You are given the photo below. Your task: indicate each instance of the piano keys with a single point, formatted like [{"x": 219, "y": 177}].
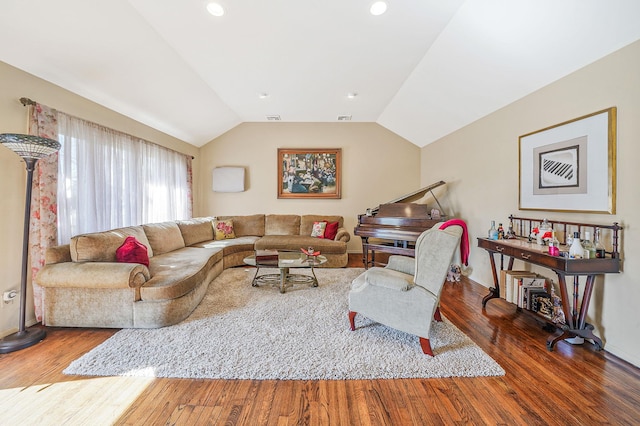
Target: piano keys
[
  {"x": 395, "y": 226},
  {"x": 559, "y": 169}
]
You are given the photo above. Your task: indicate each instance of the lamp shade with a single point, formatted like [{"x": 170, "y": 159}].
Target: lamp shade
[{"x": 29, "y": 146}]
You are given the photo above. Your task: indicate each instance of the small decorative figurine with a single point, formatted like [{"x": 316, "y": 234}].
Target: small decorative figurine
[{"x": 454, "y": 273}]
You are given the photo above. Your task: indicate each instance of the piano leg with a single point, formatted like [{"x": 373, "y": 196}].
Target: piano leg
[{"x": 365, "y": 252}]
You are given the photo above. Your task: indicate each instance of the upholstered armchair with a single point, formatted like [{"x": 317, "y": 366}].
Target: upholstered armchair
[{"x": 405, "y": 293}]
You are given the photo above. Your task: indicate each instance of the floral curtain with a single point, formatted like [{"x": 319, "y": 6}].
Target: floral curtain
[{"x": 43, "y": 121}]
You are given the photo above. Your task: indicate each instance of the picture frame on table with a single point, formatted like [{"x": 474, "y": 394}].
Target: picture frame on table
[
  {"x": 570, "y": 166},
  {"x": 309, "y": 173}
]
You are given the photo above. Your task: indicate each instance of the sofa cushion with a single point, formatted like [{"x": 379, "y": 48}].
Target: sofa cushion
[
  {"x": 176, "y": 273},
  {"x": 231, "y": 245},
  {"x": 296, "y": 242},
  {"x": 196, "y": 230},
  {"x": 163, "y": 237},
  {"x": 247, "y": 225},
  {"x": 388, "y": 278},
  {"x": 307, "y": 221},
  {"x": 283, "y": 224},
  {"x": 132, "y": 251},
  {"x": 223, "y": 229},
  {"x": 102, "y": 246}
]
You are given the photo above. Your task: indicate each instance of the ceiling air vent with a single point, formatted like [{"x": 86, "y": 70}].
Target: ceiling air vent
[
  {"x": 344, "y": 118},
  {"x": 274, "y": 117}
]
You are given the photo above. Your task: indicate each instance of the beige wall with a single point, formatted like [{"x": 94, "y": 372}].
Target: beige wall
[
  {"x": 482, "y": 169},
  {"x": 377, "y": 166},
  {"x": 15, "y": 84}
]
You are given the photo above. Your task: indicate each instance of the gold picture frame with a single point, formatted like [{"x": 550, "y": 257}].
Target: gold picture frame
[
  {"x": 309, "y": 173},
  {"x": 571, "y": 166}
]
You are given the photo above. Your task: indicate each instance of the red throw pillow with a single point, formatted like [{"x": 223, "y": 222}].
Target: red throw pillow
[
  {"x": 331, "y": 230},
  {"x": 132, "y": 251}
]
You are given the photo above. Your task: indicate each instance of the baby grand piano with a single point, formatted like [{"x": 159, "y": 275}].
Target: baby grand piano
[{"x": 395, "y": 226}]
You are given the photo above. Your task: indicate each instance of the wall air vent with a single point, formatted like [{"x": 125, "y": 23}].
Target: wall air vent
[
  {"x": 344, "y": 118},
  {"x": 274, "y": 117}
]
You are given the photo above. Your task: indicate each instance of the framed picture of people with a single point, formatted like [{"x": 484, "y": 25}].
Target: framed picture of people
[{"x": 309, "y": 173}]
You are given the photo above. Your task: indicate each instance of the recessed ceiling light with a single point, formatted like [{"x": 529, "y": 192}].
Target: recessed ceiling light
[
  {"x": 215, "y": 9},
  {"x": 263, "y": 95},
  {"x": 378, "y": 8},
  {"x": 352, "y": 95}
]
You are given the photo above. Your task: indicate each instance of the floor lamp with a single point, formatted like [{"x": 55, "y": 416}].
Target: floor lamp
[{"x": 31, "y": 149}]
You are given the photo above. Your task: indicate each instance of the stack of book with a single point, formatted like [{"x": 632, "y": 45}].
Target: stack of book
[
  {"x": 267, "y": 257},
  {"x": 524, "y": 288}
]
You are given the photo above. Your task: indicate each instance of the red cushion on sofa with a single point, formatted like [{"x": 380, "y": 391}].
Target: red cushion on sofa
[
  {"x": 331, "y": 230},
  {"x": 132, "y": 251}
]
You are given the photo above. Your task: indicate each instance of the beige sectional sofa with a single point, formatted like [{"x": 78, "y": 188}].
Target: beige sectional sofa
[{"x": 85, "y": 286}]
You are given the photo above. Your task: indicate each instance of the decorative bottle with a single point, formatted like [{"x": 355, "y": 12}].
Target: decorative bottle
[
  {"x": 600, "y": 251},
  {"x": 542, "y": 231},
  {"x": 576, "y": 251},
  {"x": 554, "y": 245},
  {"x": 500, "y": 232},
  {"x": 493, "y": 232},
  {"x": 588, "y": 246}
]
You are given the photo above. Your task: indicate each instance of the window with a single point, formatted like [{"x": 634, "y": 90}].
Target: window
[{"x": 108, "y": 179}]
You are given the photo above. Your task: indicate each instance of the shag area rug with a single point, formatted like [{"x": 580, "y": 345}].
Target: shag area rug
[{"x": 244, "y": 332}]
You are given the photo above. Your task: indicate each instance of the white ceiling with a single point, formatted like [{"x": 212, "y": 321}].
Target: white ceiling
[{"x": 423, "y": 70}]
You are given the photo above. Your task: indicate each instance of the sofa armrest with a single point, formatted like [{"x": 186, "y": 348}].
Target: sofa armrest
[
  {"x": 342, "y": 235},
  {"x": 57, "y": 254},
  {"x": 403, "y": 264},
  {"x": 107, "y": 275}
]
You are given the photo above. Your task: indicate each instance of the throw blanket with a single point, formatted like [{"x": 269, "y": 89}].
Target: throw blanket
[{"x": 464, "y": 240}]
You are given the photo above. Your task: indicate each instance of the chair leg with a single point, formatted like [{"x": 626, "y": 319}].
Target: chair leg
[
  {"x": 426, "y": 346},
  {"x": 352, "y": 317},
  {"x": 436, "y": 315}
]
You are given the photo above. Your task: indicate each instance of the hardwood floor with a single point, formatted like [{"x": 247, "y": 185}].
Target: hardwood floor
[{"x": 570, "y": 386}]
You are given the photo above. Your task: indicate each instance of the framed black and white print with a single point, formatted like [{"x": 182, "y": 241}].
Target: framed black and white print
[{"x": 570, "y": 166}]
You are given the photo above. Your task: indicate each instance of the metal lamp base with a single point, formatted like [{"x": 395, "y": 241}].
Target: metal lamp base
[{"x": 21, "y": 340}]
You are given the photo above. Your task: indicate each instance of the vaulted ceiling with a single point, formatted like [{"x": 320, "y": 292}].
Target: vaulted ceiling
[{"x": 423, "y": 69}]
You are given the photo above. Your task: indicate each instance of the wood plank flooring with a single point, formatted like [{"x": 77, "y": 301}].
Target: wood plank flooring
[{"x": 573, "y": 385}]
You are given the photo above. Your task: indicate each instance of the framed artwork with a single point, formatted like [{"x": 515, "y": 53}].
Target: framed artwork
[
  {"x": 309, "y": 173},
  {"x": 570, "y": 166}
]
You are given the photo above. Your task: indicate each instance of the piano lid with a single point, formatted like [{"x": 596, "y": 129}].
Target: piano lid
[{"x": 414, "y": 196}]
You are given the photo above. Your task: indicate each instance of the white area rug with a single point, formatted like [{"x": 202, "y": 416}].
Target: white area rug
[{"x": 243, "y": 332}]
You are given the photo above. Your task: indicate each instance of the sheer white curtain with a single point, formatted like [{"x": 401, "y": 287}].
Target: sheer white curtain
[{"x": 108, "y": 179}]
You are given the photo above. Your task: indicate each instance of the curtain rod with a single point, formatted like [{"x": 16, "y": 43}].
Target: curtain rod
[{"x": 27, "y": 101}]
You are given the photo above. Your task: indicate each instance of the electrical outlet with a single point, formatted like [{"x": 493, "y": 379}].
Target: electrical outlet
[{"x": 8, "y": 297}]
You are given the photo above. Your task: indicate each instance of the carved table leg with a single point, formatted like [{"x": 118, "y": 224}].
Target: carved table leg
[
  {"x": 494, "y": 292},
  {"x": 576, "y": 323}
]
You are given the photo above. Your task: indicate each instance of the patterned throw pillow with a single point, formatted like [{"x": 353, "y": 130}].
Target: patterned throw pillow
[
  {"x": 318, "y": 229},
  {"x": 223, "y": 229},
  {"x": 132, "y": 251}
]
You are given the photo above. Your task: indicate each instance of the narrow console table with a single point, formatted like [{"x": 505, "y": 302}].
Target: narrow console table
[{"x": 575, "y": 311}]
